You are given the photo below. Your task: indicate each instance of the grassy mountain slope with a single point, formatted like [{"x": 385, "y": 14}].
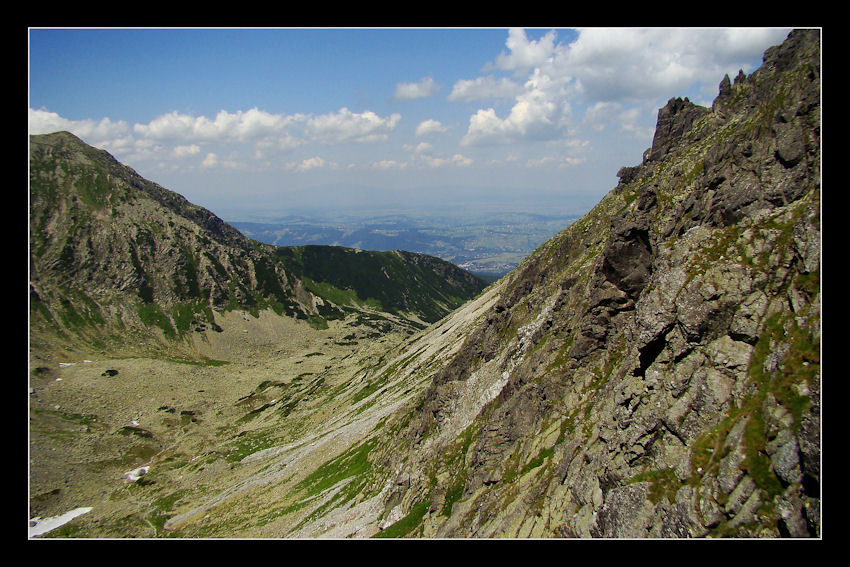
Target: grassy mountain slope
[
  {"x": 114, "y": 256},
  {"x": 158, "y": 333},
  {"x": 397, "y": 282}
]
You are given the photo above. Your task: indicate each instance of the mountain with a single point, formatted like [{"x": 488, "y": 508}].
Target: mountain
[
  {"x": 113, "y": 255},
  {"x": 652, "y": 371},
  {"x": 397, "y": 282}
]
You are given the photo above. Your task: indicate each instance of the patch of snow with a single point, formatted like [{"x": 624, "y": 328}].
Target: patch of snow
[
  {"x": 37, "y": 526},
  {"x": 136, "y": 474}
]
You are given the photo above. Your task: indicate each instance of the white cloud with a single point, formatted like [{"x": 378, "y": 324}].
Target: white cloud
[
  {"x": 388, "y": 164},
  {"x": 421, "y": 147},
  {"x": 541, "y": 112},
  {"x": 183, "y": 151},
  {"x": 430, "y": 126},
  {"x": 456, "y": 160},
  {"x": 211, "y": 160},
  {"x": 599, "y": 115},
  {"x": 634, "y": 63},
  {"x": 276, "y": 145},
  {"x": 422, "y": 89},
  {"x": 240, "y": 126},
  {"x": 525, "y": 54},
  {"x": 484, "y": 88},
  {"x": 557, "y": 161},
  {"x": 104, "y": 133},
  {"x": 347, "y": 126},
  {"x": 44, "y": 122},
  {"x": 315, "y": 162},
  {"x": 606, "y": 69}
]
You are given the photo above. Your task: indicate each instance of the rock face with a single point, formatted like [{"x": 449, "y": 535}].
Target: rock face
[{"x": 657, "y": 364}]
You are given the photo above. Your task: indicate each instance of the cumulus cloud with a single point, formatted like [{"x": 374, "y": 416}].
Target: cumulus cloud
[
  {"x": 541, "y": 112},
  {"x": 211, "y": 160},
  {"x": 347, "y": 126},
  {"x": 183, "y": 151},
  {"x": 243, "y": 135},
  {"x": 421, "y": 147},
  {"x": 388, "y": 164},
  {"x": 634, "y": 63},
  {"x": 483, "y": 88},
  {"x": 456, "y": 160},
  {"x": 269, "y": 131},
  {"x": 226, "y": 126},
  {"x": 421, "y": 89},
  {"x": 430, "y": 126},
  {"x": 525, "y": 54},
  {"x": 605, "y": 69},
  {"x": 44, "y": 122},
  {"x": 556, "y": 161},
  {"x": 315, "y": 162}
]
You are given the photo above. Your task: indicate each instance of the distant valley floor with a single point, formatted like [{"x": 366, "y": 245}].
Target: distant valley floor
[{"x": 488, "y": 245}]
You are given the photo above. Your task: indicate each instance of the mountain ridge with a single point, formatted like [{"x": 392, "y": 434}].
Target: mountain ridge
[{"x": 113, "y": 254}]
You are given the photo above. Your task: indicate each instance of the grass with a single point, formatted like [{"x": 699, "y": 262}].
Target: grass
[
  {"x": 247, "y": 444},
  {"x": 151, "y": 315},
  {"x": 161, "y": 508},
  {"x": 353, "y": 462},
  {"x": 663, "y": 484},
  {"x": 408, "y": 523}
]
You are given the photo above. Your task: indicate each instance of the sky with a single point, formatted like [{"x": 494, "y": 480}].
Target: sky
[{"x": 257, "y": 123}]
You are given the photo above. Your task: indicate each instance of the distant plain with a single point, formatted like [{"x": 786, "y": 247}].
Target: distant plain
[{"x": 487, "y": 243}]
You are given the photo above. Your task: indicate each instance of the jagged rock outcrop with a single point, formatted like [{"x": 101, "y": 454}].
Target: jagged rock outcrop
[{"x": 654, "y": 370}]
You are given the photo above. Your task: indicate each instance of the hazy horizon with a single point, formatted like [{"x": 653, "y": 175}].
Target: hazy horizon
[{"x": 252, "y": 122}]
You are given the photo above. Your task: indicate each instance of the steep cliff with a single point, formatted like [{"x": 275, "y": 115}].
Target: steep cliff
[{"x": 654, "y": 369}]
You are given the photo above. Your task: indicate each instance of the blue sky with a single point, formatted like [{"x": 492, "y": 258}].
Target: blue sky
[{"x": 253, "y": 123}]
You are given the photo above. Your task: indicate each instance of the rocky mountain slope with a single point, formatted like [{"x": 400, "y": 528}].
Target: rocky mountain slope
[
  {"x": 651, "y": 371},
  {"x": 654, "y": 370},
  {"x": 113, "y": 256}
]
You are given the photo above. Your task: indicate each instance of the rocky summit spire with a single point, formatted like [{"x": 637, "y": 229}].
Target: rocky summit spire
[{"x": 674, "y": 120}]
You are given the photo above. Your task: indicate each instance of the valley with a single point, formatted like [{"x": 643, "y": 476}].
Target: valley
[
  {"x": 228, "y": 449},
  {"x": 650, "y": 370},
  {"x": 487, "y": 243}
]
